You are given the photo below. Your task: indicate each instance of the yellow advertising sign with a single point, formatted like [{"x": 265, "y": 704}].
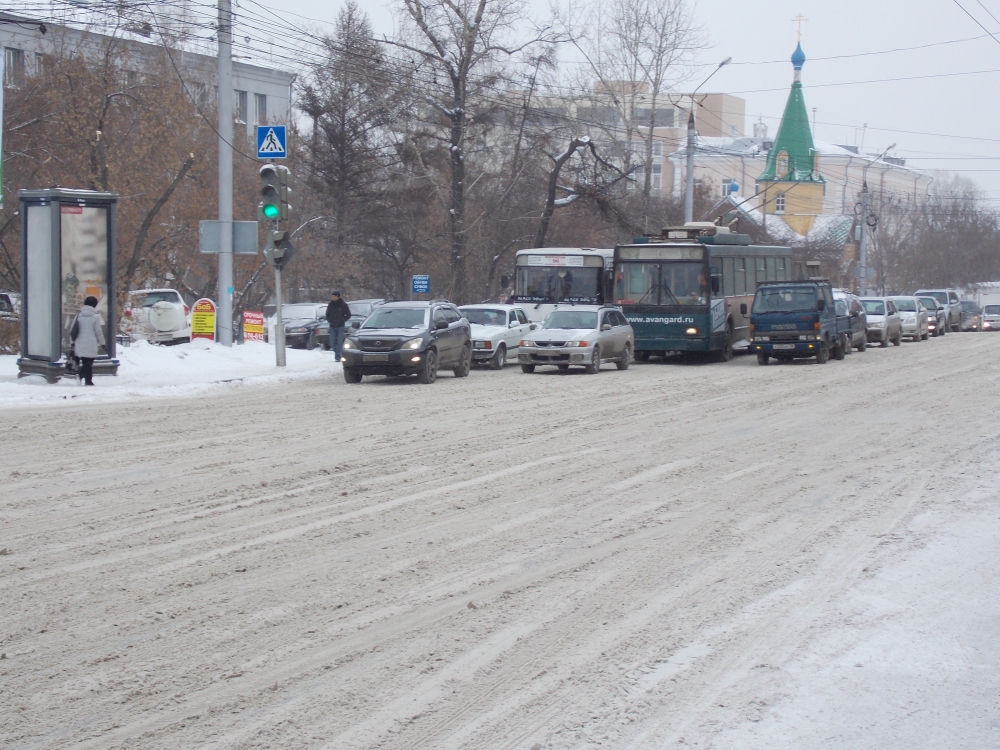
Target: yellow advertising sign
[
  {"x": 253, "y": 326},
  {"x": 203, "y": 320}
]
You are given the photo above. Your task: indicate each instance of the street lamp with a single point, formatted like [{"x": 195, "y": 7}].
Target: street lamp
[
  {"x": 863, "y": 248},
  {"x": 691, "y": 137}
]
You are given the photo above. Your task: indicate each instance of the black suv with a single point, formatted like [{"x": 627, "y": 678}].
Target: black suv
[{"x": 409, "y": 338}]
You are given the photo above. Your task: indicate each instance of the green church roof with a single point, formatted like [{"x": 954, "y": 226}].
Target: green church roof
[{"x": 794, "y": 142}]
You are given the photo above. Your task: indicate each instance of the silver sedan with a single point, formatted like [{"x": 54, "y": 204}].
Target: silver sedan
[{"x": 579, "y": 335}]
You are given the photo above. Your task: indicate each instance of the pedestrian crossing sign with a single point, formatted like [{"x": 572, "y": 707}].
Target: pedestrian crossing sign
[{"x": 271, "y": 142}]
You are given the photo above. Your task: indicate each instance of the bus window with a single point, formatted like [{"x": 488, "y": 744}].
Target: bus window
[
  {"x": 741, "y": 276},
  {"x": 771, "y": 269},
  {"x": 728, "y": 277},
  {"x": 761, "y": 271},
  {"x": 783, "y": 274},
  {"x": 637, "y": 284}
]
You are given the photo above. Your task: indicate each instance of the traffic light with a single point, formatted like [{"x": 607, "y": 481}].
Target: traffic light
[
  {"x": 278, "y": 249},
  {"x": 274, "y": 192}
]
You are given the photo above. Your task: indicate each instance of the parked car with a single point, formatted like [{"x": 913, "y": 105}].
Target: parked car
[
  {"x": 496, "y": 332},
  {"x": 972, "y": 316},
  {"x": 579, "y": 335},
  {"x": 409, "y": 338},
  {"x": 947, "y": 298},
  {"x": 937, "y": 316},
  {"x": 913, "y": 316},
  {"x": 883, "y": 321},
  {"x": 991, "y": 318},
  {"x": 301, "y": 321},
  {"x": 849, "y": 305},
  {"x": 360, "y": 309},
  {"x": 10, "y": 306},
  {"x": 156, "y": 315}
]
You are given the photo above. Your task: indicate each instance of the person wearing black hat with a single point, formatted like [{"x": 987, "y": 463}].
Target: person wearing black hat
[
  {"x": 337, "y": 315},
  {"x": 88, "y": 339}
]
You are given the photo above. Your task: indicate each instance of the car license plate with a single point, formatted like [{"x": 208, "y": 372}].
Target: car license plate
[
  {"x": 375, "y": 358},
  {"x": 783, "y": 346}
]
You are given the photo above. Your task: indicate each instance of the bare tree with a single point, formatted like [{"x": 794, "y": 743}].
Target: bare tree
[{"x": 469, "y": 44}]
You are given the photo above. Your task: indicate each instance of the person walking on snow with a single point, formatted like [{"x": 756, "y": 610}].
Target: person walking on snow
[
  {"x": 89, "y": 337},
  {"x": 337, "y": 315}
]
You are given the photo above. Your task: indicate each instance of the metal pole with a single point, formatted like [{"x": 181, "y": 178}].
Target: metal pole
[
  {"x": 279, "y": 323},
  {"x": 863, "y": 247},
  {"x": 226, "y": 173},
  {"x": 689, "y": 178}
]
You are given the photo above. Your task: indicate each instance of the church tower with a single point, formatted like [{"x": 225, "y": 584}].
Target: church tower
[{"x": 791, "y": 186}]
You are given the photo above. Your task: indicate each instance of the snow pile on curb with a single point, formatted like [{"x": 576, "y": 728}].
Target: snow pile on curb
[{"x": 149, "y": 371}]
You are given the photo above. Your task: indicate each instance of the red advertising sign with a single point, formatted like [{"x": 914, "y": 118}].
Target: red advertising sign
[
  {"x": 253, "y": 326},
  {"x": 203, "y": 320}
]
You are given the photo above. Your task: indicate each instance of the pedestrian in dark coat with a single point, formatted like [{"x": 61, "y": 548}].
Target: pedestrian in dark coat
[
  {"x": 89, "y": 338},
  {"x": 337, "y": 315}
]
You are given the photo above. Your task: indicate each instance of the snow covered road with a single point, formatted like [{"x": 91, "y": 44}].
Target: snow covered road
[{"x": 725, "y": 556}]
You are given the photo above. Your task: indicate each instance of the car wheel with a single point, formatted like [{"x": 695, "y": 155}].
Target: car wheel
[
  {"x": 898, "y": 341},
  {"x": 351, "y": 376},
  {"x": 527, "y": 368},
  {"x": 428, "y": 373},
  {"x": 595, "y": 361},
  {"x": 626, "y": 359},
  {"x": 942, "y": 330},
  {"x": 839, "y": 351},
  {"x": 884, "y": 343},
  {"x": 863, "y": 345},
  {"x": 642, "y": 356},
  {"x": 823, "y": 353},
  {"x": 498, "y": 360},
  {"x": 726, "y": 352},
  {"x": 465, "y": 363},
  {"x": 762, "y": 358}
]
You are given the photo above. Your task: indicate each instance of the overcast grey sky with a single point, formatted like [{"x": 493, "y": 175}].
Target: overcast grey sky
[{"x": 938, "y": 122}]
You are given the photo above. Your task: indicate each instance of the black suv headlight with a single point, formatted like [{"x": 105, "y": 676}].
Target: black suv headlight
[
  {"x": 348, "y": 344},
  {"x": 413, "y": 344}
]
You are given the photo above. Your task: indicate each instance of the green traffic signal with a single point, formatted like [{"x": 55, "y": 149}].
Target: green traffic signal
[
  {"x": 274, "y": 193},
  {"x": 270, "y": 211}
]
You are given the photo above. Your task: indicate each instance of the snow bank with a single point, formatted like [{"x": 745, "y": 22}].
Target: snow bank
[{"x": 149, "y": 371}]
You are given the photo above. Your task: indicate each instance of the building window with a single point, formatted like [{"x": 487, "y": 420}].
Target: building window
[
  {"x": 240, "y": 106},
  {"x": 13, "y": 72},
  {"x": 131, "y": 78},
  {"x": 260, "y": 109},
  {"x": 199, "y": 92},
  {"x": 779, "y": 204}
]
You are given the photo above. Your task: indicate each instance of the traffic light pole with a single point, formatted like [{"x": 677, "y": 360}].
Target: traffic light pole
[
  {"x": 225, "y": 317},
  {"x": 279, "y": 323}
]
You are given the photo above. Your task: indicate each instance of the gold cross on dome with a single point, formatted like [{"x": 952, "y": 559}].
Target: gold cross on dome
[{"x": 800, "y": 19}]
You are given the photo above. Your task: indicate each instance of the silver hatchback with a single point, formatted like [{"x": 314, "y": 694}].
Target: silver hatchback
[
  {"x": 579, "y": 335},
  {"x": 884, "y": 324}
]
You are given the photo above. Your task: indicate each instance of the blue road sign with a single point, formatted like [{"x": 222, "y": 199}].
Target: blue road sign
[
  {"x": 272, "y": 142},
  {"x": 421, "y": 285}
]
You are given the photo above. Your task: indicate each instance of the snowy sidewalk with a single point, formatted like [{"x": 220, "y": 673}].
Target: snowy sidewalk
[{"x": 149, "y": 371}]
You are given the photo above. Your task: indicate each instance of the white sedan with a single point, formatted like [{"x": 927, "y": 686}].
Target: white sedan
[{"x": 496, "y": 331}]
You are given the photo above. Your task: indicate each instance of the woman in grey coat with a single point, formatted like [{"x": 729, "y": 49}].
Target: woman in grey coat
[{"x": 89, "y": 337}]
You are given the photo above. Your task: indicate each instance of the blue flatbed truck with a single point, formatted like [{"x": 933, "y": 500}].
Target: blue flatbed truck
[{"x": 795, "y": 320}]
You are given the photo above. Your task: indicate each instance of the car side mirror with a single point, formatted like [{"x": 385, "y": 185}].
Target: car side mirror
[
  {"x": 821, "y": 305},
  {"x": 606, "y": 327},
  {"x": 513, "y": 324},
  {"x": 441, "y": 325},
  {"x": 715, "y": 285},
  {"x": 532, "y": 327},
  {"x": 355, "y": 324},
  {"x": 743, "y": 309}
]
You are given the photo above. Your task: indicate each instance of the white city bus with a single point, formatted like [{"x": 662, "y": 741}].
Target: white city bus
[{"x": 550, "y": 276}]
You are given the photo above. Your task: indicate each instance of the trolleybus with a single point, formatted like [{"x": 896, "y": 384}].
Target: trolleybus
[
  {"x": 546, "y": 277},
  {"x": 689, "y": 289}
]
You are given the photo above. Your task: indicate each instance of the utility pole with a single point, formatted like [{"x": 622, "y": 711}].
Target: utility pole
[
  {"x": 863, "y": 246},
  {"x": 225, "y": 33},
  {"x": 689, "y": 176},
  {"x": 692, "y": 136}
]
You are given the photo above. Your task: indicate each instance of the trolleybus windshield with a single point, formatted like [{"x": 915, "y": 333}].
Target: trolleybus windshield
[
  {"x": 653, "y": 283},
  {"x": 563, "y": 284}
]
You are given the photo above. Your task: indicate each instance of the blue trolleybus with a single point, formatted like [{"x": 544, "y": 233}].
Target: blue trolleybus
[{"x": 689, "y": 290}]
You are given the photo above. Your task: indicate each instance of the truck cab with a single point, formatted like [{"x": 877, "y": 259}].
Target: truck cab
[{"x": 794, "y": 320}]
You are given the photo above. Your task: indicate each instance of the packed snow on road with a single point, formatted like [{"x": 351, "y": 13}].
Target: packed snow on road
[{"x": 709, "y": 555}]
